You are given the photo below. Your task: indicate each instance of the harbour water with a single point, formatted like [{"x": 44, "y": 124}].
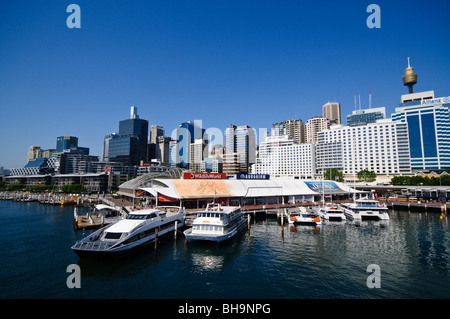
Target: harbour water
[{"x": 269, "y": 261}]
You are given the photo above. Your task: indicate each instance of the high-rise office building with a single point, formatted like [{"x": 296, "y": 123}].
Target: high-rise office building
[
  {"x": 196, "y": 155},
  {"x": 163, "y": 149},
  {"x": 313, "y": 126},
  {"x": 332, "y": 111},
  {"x": 130, "y": 146},
  {"x": 108, "y": 138},
  {"x": 245, "y": 147},
  {"x": 366, "y": 116},
  {"x": 240, "y": 140},
  {"x": 66, "y": 143},
  {"x": 34, "y": 152},
  {"x": 155, "y": 132},
  {"x": 294, "y": 128},
  {"x": 154, "y": 152},
  {"x": 186, "y": 134},
  {"x": 428, "y": 121},
  {"x": 69, "y": 144},
  {"x": 230, "y": 139}
]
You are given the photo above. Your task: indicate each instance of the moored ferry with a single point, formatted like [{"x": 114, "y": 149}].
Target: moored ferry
[
  {"x": 140, "y": 227},
  {"x": 331, "y": 213},
  {"x": 366, "y": 209},
  {"x": 304, "y": 216},
  {"x": 216, "y": 223}
]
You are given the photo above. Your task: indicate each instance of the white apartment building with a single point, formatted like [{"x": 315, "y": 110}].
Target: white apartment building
[
  {"x": 281, "y": 157},
  {"x": 382, "y": 147}
]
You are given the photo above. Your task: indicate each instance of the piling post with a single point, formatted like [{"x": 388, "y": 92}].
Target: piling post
[
  {"x": 248, "y": 219},
  {"x": 156, "y": 237},
  {"x": 176, "y": 229}
]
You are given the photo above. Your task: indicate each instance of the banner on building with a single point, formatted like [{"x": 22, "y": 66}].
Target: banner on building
[
  {"x": 188, "y": 175},
  {"x": 252, "y": 176}
]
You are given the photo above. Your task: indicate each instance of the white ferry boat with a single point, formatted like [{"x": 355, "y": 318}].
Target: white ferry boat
[
  {"x": 331, "y": 213},
  {"x": 366, "y": 209},
  {"x": 304, "y": 216},
  {"x": 138, "y": 228},
  {"x": 217, "y": 224}
]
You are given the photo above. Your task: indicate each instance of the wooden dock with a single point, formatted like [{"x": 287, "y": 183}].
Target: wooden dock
[{"x": 87, "y": 221}]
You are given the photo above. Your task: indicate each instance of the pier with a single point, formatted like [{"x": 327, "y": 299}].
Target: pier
[
  {"x": 60, "y": 199},
  {"x": 418, "y": 206}
]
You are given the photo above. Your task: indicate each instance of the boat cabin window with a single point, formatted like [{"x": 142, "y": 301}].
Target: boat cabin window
[
  {"x": 135, "y": 216},
  {"x": 112, "y": 235},
  {"x": 209, "y": 215}
]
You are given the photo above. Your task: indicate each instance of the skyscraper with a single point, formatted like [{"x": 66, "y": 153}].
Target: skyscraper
[
  {"x": 313, "y": 126},
  {"x": 294, "y": 128},
  {"x": 428, "y": 121},
  {"x": 130, "y": 147},
  {"x": 186, "y": 134},
  {"x": 240, "y": 149},
  {"x": 230, "y": 139},
  {"x": 332, "y": 111},
  {"x": 155, "y": 132},
  {"x": 66, "y": 143}
]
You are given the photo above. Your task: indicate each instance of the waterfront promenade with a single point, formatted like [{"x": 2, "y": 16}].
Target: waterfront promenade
[{"x": 271, "y": 209}]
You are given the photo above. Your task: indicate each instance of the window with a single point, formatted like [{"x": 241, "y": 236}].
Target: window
[
  {"x": 112, "y": 235},
  {"x": 429, "y": 136},
  {"x": 414, "y": 136}
]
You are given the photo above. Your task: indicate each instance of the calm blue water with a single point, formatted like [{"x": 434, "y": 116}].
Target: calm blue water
[{"x": 412, "y": 251}]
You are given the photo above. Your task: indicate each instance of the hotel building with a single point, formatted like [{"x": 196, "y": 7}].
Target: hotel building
[
  {"x": 382, "y": 147},
  {"x": 282, "y": 157}
]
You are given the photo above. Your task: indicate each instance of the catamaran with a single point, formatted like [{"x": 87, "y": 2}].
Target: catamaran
[
  {"x": 366, "y": 209},
  {"x": 140, "y": 227},
  {"x": 304, "y": 216}
]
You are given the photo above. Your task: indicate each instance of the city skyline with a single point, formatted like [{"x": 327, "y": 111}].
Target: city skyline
[{"x": 251, "y": 63}]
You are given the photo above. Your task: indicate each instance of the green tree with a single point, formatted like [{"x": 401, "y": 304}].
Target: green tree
[
  {"x": 367, "y": 176},
  {"x": 15, "y": 187},
  {"x": 75, "y": 188},
  {"x": 334, "y": 175}
]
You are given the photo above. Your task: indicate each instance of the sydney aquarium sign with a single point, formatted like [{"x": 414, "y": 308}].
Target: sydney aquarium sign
[
  {"x": 320, "y": 186},
  {"x": 436, "y": 101},
  {"x": 252, "y": 176}
]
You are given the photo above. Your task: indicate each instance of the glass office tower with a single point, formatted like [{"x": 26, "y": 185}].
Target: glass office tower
[
  {"x": 130, "y": 146},
  {"x": 186, "y": 134},
  {"x": 428, "y": 130},
  {"x": 66, "y": 143}
]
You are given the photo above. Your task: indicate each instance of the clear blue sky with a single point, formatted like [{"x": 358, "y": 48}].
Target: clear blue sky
[{"x": 241, "y": 62}]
